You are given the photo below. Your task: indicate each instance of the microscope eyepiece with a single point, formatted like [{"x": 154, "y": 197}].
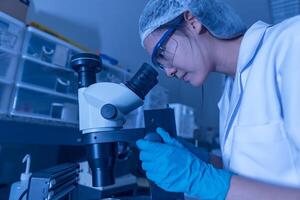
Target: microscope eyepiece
[
  {"x": 143, "y": 81},
  {"x": 87, "y": 66}
]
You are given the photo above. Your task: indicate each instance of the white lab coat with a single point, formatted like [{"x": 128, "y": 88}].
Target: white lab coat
[{"x": 260, "y": 108}]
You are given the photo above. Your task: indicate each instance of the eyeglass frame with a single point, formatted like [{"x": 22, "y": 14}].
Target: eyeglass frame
[
  {"x": 163, "y": 41},
  {"x": 159, "y": 47}
]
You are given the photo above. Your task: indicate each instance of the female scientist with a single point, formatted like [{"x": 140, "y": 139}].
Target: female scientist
[{"x": 259, "y": 108}]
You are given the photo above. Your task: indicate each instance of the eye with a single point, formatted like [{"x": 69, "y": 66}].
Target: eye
[
  {"x": 162, "y": 51},
  {"x": 161, "y": 55}
]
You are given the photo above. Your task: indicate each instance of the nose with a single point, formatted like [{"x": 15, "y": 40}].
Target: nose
[{"x": 170, "y": 71}]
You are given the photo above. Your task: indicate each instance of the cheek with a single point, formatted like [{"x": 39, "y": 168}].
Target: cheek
[
  {"x": 183, "y": 58},
  {"x": 190, "y": 58}
]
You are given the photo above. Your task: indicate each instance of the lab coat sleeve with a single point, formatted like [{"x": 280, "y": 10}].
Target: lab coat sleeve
[{"x": 289, "y": 76}]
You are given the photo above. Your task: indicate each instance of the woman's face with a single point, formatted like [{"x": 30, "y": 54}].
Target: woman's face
[{"x": 183, "y": 56}]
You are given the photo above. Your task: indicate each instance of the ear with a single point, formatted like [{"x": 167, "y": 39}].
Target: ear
[{"x": 192, "y": 22}]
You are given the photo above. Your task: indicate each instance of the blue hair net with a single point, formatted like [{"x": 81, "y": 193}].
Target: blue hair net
[{"x": 216, "y": 15}]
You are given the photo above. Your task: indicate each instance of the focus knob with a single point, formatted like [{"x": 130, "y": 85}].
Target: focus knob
[{"x": 109, "y": 111}]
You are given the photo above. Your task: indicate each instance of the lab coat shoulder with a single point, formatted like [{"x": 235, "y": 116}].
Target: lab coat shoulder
[
  {"x": 286, "y": 50},
  {"x": 283, "y": 40},
  {"x": 266, "y": 137},
  {"x": 281, "y": 52}
]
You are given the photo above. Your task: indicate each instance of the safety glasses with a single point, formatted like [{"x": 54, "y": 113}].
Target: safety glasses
[
  {"x": 161, "y": 52},
  {"x": 164, "y": 51}
]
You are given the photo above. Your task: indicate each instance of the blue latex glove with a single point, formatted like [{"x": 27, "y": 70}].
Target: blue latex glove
[
  {"x": 197, "y": 151},
  {"x": 173, "y": 168}
]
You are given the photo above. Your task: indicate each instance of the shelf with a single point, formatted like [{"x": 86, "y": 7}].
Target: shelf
[
  {"x": 11, "y": 19},
  {"x": 5, "y": 81},
  {"x": 21, "y": 130},
  {"x": 51, "y": 38},
  {"x": 30, "y": 58},
  {"x": 12, "y": 52},
  {"x": 37, "y": 116},
  {"x": 44, "y": 90}
]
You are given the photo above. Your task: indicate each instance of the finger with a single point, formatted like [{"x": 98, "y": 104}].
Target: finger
[
  {"x": 153, "y": 177},
  {"x": 154, "y": 137},
  {"x": 150, "y": 176},
  {"x": 167, "y": 138},
  {"x": 165, "y": 135},
  {"x": 147, "y": 145}
]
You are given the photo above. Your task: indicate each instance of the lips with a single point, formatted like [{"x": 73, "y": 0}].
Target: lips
[
  {"x": 185, "y": 77},
  {"x": 182, "y": 76}
]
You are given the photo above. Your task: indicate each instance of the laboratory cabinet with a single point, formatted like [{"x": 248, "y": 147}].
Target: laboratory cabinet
[
  {"x": 5, "y": 94},
  {"x": 11, "y": 33},
  {"x": 47, "y": 76},
  {"x": 8, "y": 64},
  {"x": 11, "y": 38},
  {"x": 47, "y": 48},
  {"x": 45, "y": 85},
  {"x": 36, "y": 103}
]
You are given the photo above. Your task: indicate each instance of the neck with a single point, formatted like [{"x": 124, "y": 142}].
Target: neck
[{"x": 226, "y": 54}]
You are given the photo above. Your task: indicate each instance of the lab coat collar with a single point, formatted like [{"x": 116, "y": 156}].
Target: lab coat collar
[{"x": 250, "y": 45}]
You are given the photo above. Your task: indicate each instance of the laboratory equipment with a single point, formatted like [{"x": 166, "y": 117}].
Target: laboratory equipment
[
  {"x": 102, "y": 113},
  {"x": 19, "y": 189},
  {"x": 102, "y": 107},
  {"x": 54, "y": 183}
]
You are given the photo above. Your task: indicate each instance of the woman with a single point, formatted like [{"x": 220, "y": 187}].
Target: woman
[{"x": 259, "y": 109}]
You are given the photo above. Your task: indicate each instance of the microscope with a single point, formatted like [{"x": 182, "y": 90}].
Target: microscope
[{"x": 103, "y": 108}]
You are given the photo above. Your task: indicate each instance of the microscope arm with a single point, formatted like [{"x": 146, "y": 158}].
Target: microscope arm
[{"x": 124, "y": 135}]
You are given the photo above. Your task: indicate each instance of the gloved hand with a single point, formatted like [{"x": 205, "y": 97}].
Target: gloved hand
[
  {"x": 172, "y": 167},
  {"x": 197, "y": 151}
]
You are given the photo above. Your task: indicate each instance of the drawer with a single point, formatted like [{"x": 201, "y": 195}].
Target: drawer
[
  {"x": 48, "y": 77},
  {"x": 41, "y": 105},
  {"x": 11, "y": 33},
  {"x": 8, "y": 64},
  {"x": 5, "y": 96},
  {"x": 47, "y": 48}
]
